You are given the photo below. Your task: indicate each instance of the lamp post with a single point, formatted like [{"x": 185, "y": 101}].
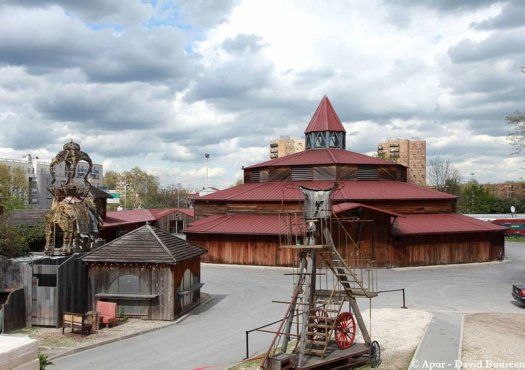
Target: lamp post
[{"x": 207, "y": 156}]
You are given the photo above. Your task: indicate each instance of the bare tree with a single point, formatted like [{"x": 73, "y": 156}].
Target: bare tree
[
  {"x": 517, "y": 120},
  {"x": 517, "y": 137},
  {"x": 443, "y": 176}
]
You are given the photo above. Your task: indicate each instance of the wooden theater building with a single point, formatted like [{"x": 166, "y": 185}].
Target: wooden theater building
[{"x": 395, "y": 223}]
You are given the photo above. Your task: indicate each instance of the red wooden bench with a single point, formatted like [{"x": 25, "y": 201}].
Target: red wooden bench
[{"x": 107, "y": 312}]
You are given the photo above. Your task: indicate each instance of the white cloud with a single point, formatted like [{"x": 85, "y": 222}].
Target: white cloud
[{"x": 158, "y": 86}]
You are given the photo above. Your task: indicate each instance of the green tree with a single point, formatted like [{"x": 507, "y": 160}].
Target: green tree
[
  {"x": 13, "y": 243},
  {"x": 14, "y": 188},
  {"x": 475, "y": 199},
  {"x": 111, "y": 179}
]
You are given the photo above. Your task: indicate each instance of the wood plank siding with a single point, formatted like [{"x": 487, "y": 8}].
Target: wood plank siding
[
  {"x": 157, "y": 280},
  {"x": 437, "y": 249}
]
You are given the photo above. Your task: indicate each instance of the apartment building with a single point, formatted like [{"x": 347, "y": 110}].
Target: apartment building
[
  {"x": 39, "y": 177},
  {"x": 410, "y": 153},
  {"x": 284, "y": 146}
]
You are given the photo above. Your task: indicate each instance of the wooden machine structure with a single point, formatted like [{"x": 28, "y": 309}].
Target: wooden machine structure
[{"x": 317, "y": 332}]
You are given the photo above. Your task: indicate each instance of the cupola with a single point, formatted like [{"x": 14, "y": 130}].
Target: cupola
[{"x": 325, "y": 130}]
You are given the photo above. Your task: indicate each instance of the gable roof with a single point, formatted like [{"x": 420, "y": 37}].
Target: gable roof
[
  {"x": 133, "y": 216},
  {"x": 147, "y": 244},
  {"x": 324, "y": 157},
  {"x": 347, "y": 206},
  {"x": 325, "y": 118},
  {"x": 347, "y": 191},
  {"x": 442, "y": 223}
]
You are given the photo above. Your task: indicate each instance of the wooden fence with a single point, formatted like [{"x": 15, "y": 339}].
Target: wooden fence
[{"x": 13, "y": 312}]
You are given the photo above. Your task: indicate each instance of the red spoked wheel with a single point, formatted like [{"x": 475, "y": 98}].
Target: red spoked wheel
[
  {"x": 319, "y": 318},
  {"x": 345, "y": 330}
]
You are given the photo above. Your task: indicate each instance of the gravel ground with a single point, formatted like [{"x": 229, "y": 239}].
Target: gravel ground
[
  {"x": 493, "y": 340},
  {"x": 398, "y": 332}
]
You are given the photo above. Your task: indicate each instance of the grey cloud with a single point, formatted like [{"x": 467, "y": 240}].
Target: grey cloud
[
  {"x": 22, "y": 133},
  {"x": 119, "y": 11},
  {"x": 243, "y": 43},
  {"x": 444, "y": 5},
  {"x": 512, "y": 16},
  {"x": 496, "y": 46},
  {"x": 230, "y": 81},
  {"x": 205, "y": 13},
  {"x": 48, "y": 40},
  {"x": 110, "y": 108}
]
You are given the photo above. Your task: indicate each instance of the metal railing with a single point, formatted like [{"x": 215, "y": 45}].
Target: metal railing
[{"x": 395, "y": 290}]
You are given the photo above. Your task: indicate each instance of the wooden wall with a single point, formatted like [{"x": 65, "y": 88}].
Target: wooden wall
[
  {"x": 243, "y": 249},
  {"x": 15, "y": 275},
  {"x": 59, "y": 285},
  {"x": 159, "y": 279},
  {"x": 422, "y": 250},
  {"x": 371, "y": 233},
  {"x": 14, "y": 312},
  {"x": 194, "y": 265},
  {"x": 375, "y": 242}
]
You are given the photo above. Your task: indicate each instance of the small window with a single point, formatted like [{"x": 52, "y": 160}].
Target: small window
[
  {"x": 320, "y": 140},
  {"x": 334, "y": 140},
  {"x": 46, "y": 279}
]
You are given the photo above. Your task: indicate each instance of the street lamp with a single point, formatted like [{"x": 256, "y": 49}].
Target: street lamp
[{"x": 207, "y": 156}]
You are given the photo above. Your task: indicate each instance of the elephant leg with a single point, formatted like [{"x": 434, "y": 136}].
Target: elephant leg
[
  {"x": 69, "y": 233},
  {"x": 50, "y": 239}
]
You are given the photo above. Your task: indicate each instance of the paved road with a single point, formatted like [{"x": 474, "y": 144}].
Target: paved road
[{"x": 213, "y": 336}]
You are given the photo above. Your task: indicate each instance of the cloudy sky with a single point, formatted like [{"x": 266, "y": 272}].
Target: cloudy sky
[{"x": 157, "y": 84}]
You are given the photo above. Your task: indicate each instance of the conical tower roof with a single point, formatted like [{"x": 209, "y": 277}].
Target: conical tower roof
[{"x": 325, "y": 119}]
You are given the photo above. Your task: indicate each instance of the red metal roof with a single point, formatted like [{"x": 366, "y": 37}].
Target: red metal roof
[
  {"x": 324, "y": 157},
  {"x": 346, "y": 206},
  {"x": 442, "y": 223},
  {"x": 325, "y": 118},
  {"x": 118, "y": 218},
  {"x": 347, "y": 191},
  {"x": 407, "y": 225},
  {"x": 241, "y": 224}
]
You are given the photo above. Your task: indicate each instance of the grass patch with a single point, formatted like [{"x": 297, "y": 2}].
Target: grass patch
[{"x": 517, "y": 239}]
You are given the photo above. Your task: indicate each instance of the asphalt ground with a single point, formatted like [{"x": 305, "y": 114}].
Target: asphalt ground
[{"x": 213, "y": 336}]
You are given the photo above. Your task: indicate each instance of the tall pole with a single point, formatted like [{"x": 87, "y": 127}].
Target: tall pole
[
  {"x": 178, "y": 194},
  {"x": 207, "y": 156}
]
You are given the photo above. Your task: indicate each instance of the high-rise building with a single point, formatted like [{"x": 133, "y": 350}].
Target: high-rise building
[
  {"x": 284, "y": 146},
  {"x": 410, "y": 153},
  {"x": 39, "y": 177}
]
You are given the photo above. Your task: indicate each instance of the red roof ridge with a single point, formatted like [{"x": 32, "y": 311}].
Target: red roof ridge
[{"x": 325, "y": 118}]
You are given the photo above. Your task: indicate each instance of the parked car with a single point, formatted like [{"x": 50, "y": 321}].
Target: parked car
[{"x": 518, "y": 292}]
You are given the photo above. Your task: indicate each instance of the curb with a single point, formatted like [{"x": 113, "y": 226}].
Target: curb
[
  {"x": 203, "y": 303},
  {"x": 419, "y": 344}
]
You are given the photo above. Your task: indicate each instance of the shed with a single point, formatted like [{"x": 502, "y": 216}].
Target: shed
[{"x": 148, "y": 272}]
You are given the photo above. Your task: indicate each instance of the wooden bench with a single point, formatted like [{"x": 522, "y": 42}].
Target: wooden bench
[
  {"x": 107, "y": 312},
  {"x": 78, "y": 321}
]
